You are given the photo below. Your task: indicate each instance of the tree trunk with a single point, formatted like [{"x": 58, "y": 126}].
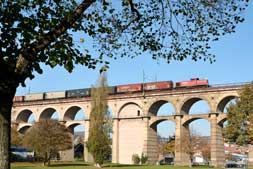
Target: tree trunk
[
  {"x": 45, "y": 159},
  {"x": 48, "y": 160},
  {"x": 7, "y": 92}
]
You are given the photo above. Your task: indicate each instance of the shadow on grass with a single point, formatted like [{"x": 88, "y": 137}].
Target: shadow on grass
[
  {"x": 120, "y": 165},
  {"x": 67, "y": 165}
]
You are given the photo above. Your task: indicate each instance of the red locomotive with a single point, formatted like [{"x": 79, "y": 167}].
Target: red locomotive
[{"x": 192, "y": 83}]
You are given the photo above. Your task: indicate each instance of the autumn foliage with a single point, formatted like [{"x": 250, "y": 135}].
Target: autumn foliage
[{"x": 47, "y": 138}]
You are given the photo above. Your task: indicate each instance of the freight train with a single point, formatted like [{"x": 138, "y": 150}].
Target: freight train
[{"x": 128, "y": 88}]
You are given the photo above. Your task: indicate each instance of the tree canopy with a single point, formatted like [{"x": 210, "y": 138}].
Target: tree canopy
[
  {"x": 47, "y": 138},
  {"x": 35, "y": 32},
  {"x": 16, "y": 138},
  {"x": 239, "y": 128}
]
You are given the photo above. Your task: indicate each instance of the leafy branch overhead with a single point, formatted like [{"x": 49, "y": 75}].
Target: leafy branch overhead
[{"x": 34, "y": 32}]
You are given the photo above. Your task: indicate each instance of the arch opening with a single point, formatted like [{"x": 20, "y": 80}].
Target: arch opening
[
  {"x": 78, "y": 136},
  {"x": 24, "y": 129},
  {"x": 164, "y": 133},
  {"x": 74, "y": 113},
  {"x": 199, "y": 126},
  {"x": 224, "y": 103},
  {"x": 195, "y": 106},
  {"x": 49, "y": 113},
  {"x": 165, "y": 129},
  {"x": 197, "y": 139},
  {"x": 162, "y": 108},
  {"x": 25, "y": 116}
]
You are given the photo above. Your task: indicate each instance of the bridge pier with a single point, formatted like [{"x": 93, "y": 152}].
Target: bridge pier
[
  {"x": 217, "y": 142},
  {"x": 150, "y": 142},
  {"x": 68, "y": 155},
  {"x": 250, "y": 161},
  {"x": 115, "y": 141},
  {"x": 181, "y": 157},
  {"x": 87, "y": 155}
]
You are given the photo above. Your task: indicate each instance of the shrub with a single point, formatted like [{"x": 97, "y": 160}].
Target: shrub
[
  {"x": 136, "y": 159},
  {"x": 144, "y": 158}
]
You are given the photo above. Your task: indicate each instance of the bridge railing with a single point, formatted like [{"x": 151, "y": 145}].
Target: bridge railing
[{"x": 230, "y": 84}]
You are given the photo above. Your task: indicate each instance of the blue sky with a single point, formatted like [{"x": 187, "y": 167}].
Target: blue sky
[{"x": 234, "y": 60}]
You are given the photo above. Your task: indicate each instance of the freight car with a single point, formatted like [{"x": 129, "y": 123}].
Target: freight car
[
  {"x": 18, "y": 99},
  {"x": 55, "y": 95},
  {"x": 78, "y": 92},
  {"x": 195, "y": 82},
  {"x": 34, "y": 96},
  {"x": 129, "y": 88},
  {"x": 158, "y": 85}
]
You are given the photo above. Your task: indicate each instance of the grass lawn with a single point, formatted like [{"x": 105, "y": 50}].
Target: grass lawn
[{"x": 82, "y": 165}]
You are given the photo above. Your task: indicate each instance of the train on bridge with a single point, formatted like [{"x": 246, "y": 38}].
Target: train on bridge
[{"x": 120, "y": 89}]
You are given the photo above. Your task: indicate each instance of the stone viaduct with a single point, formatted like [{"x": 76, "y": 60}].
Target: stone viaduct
[{"x": 135, "y": 119}]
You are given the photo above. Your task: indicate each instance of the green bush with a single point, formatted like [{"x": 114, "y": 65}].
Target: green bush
[
  {"x": 136, "y": 159},
  {"x": 144, "y": 158}
]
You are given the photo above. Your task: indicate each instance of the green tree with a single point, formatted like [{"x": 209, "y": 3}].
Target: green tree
[
  {"x": 239, "y": 128},
  {"x": 41, "y": 31},
  {"x": 98, "y": 143},
  {"x": 47, "y": 138}
]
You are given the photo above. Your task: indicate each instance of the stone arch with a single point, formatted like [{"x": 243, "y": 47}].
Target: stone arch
[
  {"x": 222, "y": 118},
  {"x": 188, "y": 121},
  {"x": 73, "y": 125},
  {"x": 71, "y": 112},
  {"x": 47, "y": 113},
  {"x": 23, "y": 129},
  {"x": 223, "y": 102},
  {"x": 130, "y": 109},
  {"x": 155, "y": 106},
  {"x": 23, "y": 116},
  {"x": 154, "y": 124},
  {"x": 188, "y": 103}
]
